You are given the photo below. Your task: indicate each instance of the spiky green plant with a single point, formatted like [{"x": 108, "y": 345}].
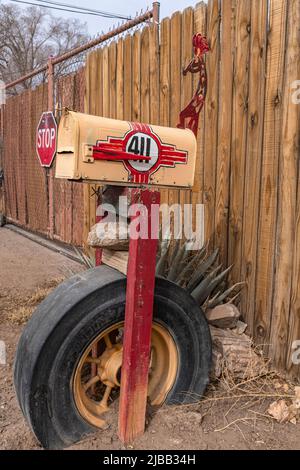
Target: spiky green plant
[{"x": 199, "y": 272}]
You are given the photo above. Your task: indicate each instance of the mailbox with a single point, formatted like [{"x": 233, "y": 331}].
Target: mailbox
[{"x": 121, "y": 153}]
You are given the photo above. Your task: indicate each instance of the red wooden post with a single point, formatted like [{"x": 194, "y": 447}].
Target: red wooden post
[
  {"x": 138, "y": 323},
  {"x": 98, "y": 262}
]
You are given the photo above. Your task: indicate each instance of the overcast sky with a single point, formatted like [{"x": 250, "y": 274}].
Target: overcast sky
[{"x": 123, "y": 7}]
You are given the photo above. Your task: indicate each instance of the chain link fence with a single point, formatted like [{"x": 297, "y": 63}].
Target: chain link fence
[{"x": 30, "y": 196}]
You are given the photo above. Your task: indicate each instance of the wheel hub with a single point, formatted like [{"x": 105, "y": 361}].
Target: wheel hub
[
  {"x": 97, "y": 377},
  {"x": 110, "y": 365}
]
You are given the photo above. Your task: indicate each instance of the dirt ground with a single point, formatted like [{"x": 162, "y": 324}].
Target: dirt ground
[{"x": 232, "y": 416}]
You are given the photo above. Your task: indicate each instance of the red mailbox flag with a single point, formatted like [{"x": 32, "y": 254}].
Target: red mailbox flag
[{"x": 46, "y": 139}]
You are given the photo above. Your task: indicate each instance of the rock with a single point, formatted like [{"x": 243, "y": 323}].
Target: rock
[
  {"x": 106, "y": 440},
  {"x": 233, "y": 353},
  {"x": 112, "y": 235},
  {"x": 223, "y": 316},
  {"x": 284, "y": 413},
  {"x": 280, "y": 411},
  {"x": 116, "y": 259},
  {"x": 297, "y": 395},
  {"x": 217, "y": 364},
  {"x": 194, "y": 417},
  {"x": 241, "y": 328}
]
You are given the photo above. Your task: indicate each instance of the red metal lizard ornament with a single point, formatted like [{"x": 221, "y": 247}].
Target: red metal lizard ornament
[{"x": 189, "y": 117}]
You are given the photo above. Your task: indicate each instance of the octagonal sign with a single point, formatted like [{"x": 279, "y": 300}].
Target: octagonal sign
[{"x": 46, "y": 139}]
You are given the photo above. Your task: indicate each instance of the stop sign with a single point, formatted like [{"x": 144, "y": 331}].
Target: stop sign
[{"x": 46, "y": 139}]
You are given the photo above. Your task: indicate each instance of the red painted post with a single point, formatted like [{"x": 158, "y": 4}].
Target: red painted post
[
  {"x": 98, "y": 262},
  {"x": 138, "y": 322}
]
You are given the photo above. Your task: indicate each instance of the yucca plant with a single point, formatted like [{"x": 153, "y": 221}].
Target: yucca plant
[{"x": 199, "y": 272}]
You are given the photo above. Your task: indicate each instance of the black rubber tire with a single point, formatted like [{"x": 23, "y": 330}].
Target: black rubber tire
[
  {"x": 66, "y": 323},
  {"x": 2, "y": 220}
]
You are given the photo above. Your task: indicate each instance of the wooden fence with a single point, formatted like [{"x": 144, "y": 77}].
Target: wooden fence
[
  {"x": 247, "y": 169},
  {"x": 248, "y": 164}
]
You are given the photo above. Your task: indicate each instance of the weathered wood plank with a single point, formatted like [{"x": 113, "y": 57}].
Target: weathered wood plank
[
  {"x": 120, "y": 80},
  {"x": 175, "y": 85},
  {"x": 128, "y": 78},
  {"x": 239, "y": 137},
  {"x": 165, "y": 80},
  {"x": 269, "y": 177},
  {"x": 294, "y": 320},
  {"x": 112, "y": 89},
  {"x": 186, "y": 83},
  {"x": 257, "y": 85},
  {"x": 211, "y": 117},
  {"x": 99, "y": 84},
  {"x": 228, "y": 19},
  {"x": 145, "y": 76},
  {"x": 93, "y": 83},
  {"x": 197, "y": 194},
  {"x": 287, "y": 196},
  {"x": 154, "y": 73},
  {"x": 136, "y": 73},
  {"x": 199, "y": 27},
  {"x": 106, "y": 83}
]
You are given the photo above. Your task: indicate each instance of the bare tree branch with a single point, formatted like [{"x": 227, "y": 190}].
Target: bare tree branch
[{"x": 28, "y": 36}]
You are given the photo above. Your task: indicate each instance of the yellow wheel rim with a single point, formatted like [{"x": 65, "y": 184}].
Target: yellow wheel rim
[{"x": 97, "y": 376}]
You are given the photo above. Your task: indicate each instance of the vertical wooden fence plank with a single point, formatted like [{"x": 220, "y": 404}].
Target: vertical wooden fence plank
[
  {"x": 112, "y": 89},
  {"x": 228, "y": 12},
  {"x": 287, "y": 196},
  {"x": 136, "y": 73},
  {"x": 128, "y": 78},
  {"x": 269, "y": 179},
  {"x": 199, "y": 27},
  {"x": 211, "y": 118},
  {"x": 175, "y": 85},
  {"x": 120, "y": 80},
  {"x": 106, "y": 83},
  {"x": 145, "y": 76},
  {"x": 186, "y": 83},
  {"x": 239, "y": 137},
  {"x": 94, "y": 83},
  {"x": 99, "y": 83},
  {"x": 165, "y": 72},
  {"x": 165, "y": 82},
  {"x": 176, "y": 88},
  {"x": 294, "y": 321},
  {"x": 257, "y": 83},
  {"x": 87, "y": 93},
  {"x": 154, "y": 73}
]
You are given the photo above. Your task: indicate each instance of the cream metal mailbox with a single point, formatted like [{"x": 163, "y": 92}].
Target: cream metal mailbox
[{"x": 114, "y": 152}]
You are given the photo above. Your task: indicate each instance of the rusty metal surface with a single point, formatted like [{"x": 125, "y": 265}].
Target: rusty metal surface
[{"x": 189, "y": 117}]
